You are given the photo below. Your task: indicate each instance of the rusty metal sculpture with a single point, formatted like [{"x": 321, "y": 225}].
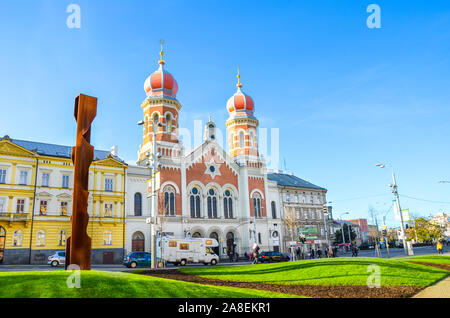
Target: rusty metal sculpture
[{"x": 78, "y": 245}]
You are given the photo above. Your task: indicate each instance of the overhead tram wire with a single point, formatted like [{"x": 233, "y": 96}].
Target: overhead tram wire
[{"x": 424, "y": 200}]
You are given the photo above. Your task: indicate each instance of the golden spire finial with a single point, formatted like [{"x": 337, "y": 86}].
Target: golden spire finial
[
  {"x": 161, "y": 61},
  {"x": 238, "y": 77}
]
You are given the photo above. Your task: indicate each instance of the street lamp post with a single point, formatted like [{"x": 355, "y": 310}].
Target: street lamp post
[
  {"x": 325, "y": 217},
  {"x": 399, "y": 210},
  {"x": 342, "y": 228},
  {"x": 152, "y": 161}
]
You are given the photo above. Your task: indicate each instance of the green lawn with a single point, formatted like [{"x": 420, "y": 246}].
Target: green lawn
[
  {"x": 335, "y": 271},
  {"x": 99, "y": 284},
  {"x": 438, "y": 259}
]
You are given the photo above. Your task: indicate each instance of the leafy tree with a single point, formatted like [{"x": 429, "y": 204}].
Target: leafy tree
[
  {"x": 424, "y": 231},
  {"x": 338, "y": 235}
]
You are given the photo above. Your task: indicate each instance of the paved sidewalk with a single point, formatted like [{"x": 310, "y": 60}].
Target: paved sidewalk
[{"x": 438, "y": 290}]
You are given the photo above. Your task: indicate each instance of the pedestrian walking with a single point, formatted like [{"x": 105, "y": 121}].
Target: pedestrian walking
[
  {"x": 326, "y": 251},
  {"x": 255, "y": 253},
  {"x": 335, "y": 251},
  {"x": 330, "y": 251},
  {"x": 354, "y": 251},
  {"x": 312, "y": 254},
  {"x": 319, "y": 253},
  {"x": 439, "y": 247}
]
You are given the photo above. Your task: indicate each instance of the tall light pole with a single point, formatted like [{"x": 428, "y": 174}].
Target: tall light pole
[
  {"x": 399, "y": 210},
  {"x": 342, "y": 227},
  {"x": 325, "y": 217},
  {"x": 152, "y": 161}
]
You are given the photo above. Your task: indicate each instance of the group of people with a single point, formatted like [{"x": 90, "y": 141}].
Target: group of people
[
  {"x": 330, "y": 251},
  {"x": 233, "y": 255}
]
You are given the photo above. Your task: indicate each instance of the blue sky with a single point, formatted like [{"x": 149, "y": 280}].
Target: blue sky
[{"x": 343, "y": 96}]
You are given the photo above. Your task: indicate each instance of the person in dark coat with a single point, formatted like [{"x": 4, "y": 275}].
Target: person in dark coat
[
  {"x": 319, "y": 253},
  {"x": 312, "y": 253}
]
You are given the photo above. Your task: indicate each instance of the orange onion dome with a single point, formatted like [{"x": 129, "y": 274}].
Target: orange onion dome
[
  {"x": 161, "y": 82},
  {"x": 240, "y": 102}
]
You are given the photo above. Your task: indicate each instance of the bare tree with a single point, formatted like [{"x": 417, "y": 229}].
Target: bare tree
[{"x": 289, "y": 223}]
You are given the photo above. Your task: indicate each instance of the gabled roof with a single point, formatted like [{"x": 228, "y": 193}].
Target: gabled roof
[
  {"x": 283, "y": 179},
  {"x": 57, "y": 150}
]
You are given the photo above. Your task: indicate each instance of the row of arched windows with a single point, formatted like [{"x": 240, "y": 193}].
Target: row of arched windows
[
  {"x": 195, "y": 204},
  {"x": 241, "y": 139},
  {"x": 167, "y": 127},
  {"x": 211, "y": 204}
]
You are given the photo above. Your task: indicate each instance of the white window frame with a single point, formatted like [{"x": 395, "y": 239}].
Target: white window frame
[
  {"x": 23, "y": 177},
  {"x": 17, "y": 238},
  {"x": 64, "y": 178},
  {"x": 40, "y": 238},
  {"x": 3, "y": 173},
  {"x": 107, "y": 237},
  {"x": 2, "y": 205},
  {"x": 109, "y": 184},
  {"x": 45, "y": 179}
]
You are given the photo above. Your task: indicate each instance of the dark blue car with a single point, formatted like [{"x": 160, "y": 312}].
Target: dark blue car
[{"x": 135, "y": 259}]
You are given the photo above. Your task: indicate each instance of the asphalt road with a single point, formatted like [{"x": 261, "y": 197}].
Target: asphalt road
[{"x": 394, "y": 253}]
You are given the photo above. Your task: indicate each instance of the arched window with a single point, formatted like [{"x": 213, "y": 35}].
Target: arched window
[
  {"x": 212, "y": 204},
  {"x": 40, "y": 238},
  {"x": 62, "y": 238},
  {"x": 274, "y": 210},
  {"x": 168, "y": 123},
  {"x": 241, "y": 139},
  {"x": 250, "y": 140},
  {"x": 137, "y": 204},
  {"x": 195, "y": 203},
  {"x": 257, "y": 205},
  {"x": 17, "y": 238},
  {"x": 197, "y": 235},
  {"x": 107, "y": 237},
  {"x": 169, "y": 201},
  {"x": 231, "y": 140},
  {"x": 145, "y": 125},
  {"x": 228, "y": 205},
  {"x": 155, "y": 123}
]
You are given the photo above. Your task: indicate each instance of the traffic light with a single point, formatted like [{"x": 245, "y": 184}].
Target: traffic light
[{"x": 384, "y": 232}]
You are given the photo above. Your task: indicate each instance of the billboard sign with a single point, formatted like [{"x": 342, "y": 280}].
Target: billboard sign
[{"x": 309, "y": 232}]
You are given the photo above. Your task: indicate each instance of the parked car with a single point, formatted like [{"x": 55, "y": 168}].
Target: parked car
[
  {"x": 135, "y": 259},
  {"x": 272, "y": 256},
  {"x": 59, "y": 258}
]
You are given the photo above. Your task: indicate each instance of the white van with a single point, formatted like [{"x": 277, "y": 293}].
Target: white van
[{"x": 189, "y": 250}]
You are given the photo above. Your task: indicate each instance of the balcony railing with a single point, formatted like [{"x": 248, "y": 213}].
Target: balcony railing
[{"x": 12, "y": 216}]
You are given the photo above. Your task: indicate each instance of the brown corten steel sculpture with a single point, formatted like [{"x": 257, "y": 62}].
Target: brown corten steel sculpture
[{"x": 78, "y": 246}]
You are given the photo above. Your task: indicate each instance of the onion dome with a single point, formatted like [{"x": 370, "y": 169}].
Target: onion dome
[
  {"x": 240, "y": 102},
  {"x": 161, "y": 82}
]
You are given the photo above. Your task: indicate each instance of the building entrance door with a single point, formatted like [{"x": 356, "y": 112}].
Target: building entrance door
[{"x": 138, "y": 242}]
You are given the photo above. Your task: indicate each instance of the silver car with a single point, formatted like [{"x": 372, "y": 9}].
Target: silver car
[{"x": 59, "y": 258}]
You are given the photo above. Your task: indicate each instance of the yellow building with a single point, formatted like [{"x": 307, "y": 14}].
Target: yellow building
[{"x": 36, "y": 182}]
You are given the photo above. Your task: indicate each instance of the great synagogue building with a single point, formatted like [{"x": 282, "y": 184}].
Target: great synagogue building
[
  {"x": 203, "y": 192},
  {"x": 208, "y": 192}
]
